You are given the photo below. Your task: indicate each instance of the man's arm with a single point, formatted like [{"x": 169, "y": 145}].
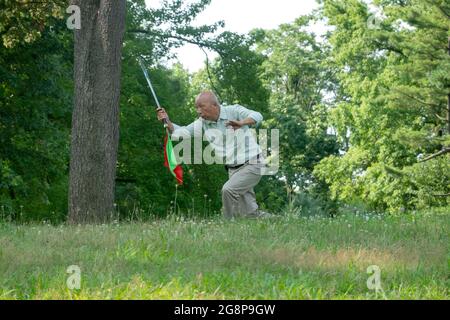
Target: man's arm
[
  {"x": 245, "y": 117},
  {"x": 248, "y": 121},
  {"x": 177, "y": 131},
  {"x": 236, "y": 124}
]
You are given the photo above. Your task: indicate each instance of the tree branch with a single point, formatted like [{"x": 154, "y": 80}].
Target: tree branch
[
  {"x": 437, "y": 154},
  {"x": 442, "y": 195},
  {"x": 209, "y": 75},
  {"x": 444, "y": 12},
  {"x": 420, "y": 101},
  {"x": 389, "y": 48},
  {"x": 201, "y": 44}
]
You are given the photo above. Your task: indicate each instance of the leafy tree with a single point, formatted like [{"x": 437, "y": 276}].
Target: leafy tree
[
  {"x": 24, "y": 21},
  {"x": 298, "y": 76},
  {"x": 35, "y": 109},
  {"x": 236, "y": 74},
  {"x": 394, "y": 84}
]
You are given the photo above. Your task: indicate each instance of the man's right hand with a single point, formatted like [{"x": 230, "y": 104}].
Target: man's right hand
[{"x": 162, "y": 116}]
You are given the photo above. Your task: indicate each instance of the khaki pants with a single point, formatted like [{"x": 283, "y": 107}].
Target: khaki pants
[{"x": 238, "y": 196}]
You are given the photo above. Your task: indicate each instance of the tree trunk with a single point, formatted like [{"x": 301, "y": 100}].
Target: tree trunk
[{"x": 95, "y": 118}]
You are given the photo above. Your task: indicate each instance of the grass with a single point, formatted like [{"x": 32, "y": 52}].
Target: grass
[{"x": 282, "y": 258}]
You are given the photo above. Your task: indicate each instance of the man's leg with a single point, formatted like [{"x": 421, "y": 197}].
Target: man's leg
[
  {"x": 237, "y": 192},
  {"x": 247, "y": 203}
]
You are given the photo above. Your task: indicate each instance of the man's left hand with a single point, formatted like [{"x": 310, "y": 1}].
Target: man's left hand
[{"x": 235, "y": 124}]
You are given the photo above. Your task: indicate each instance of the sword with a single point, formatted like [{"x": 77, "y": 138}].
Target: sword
[{"x": 141, "y": 63}]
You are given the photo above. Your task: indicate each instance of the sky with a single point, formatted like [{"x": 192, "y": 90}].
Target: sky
[{"x": 241, "y": 16}]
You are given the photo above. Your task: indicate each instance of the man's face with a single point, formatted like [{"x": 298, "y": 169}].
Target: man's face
[{"x": 207, "y": 111}]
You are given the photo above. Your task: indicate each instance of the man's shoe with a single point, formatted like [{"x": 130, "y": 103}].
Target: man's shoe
[{"x": 265, "y": 215}]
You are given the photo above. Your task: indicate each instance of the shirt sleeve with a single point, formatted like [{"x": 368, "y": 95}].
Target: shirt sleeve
[
  {"x": 243, "y": 113},
  {"x": 191, "y": 130}
]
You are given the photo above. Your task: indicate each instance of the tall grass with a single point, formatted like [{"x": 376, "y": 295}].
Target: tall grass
[{"x": 289, "y": 257}]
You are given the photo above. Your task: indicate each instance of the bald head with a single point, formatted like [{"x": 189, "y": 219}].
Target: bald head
[
  {"x": 207, "y": 106},
  {"x": 206, "y": 97}
]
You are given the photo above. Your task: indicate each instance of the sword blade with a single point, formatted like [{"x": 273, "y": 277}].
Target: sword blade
[{"x": 141, "y": 63}]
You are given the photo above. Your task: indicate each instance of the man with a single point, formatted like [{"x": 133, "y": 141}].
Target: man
[{"x": 242, "y": 157}]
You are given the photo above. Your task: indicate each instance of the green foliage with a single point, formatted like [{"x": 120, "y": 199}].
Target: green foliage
[
  {"x": 25, "y": 21},
  {"x": 235, "y": 75},
  {"x": 35, "y": 113},
  {"x": 159, "y": 30},
  {"x": 430, "y": 183},
  {"x": 298, "y": 77},
  {"x": 392, "y": 103}
]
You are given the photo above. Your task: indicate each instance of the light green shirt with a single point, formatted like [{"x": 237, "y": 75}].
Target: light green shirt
[{"x": 230, "y": 146}]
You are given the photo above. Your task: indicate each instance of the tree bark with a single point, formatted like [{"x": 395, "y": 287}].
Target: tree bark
[{"x": 95, "y": 118}]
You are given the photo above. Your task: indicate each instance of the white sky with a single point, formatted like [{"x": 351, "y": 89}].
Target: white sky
[{"x": 241, "y": 16}]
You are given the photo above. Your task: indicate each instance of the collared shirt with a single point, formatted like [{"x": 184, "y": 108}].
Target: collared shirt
[{"x": 232, "y": 147}]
